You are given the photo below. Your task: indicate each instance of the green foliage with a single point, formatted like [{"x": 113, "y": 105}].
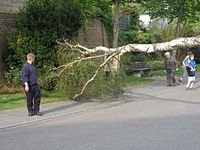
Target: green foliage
[
  {"x": 105, "y": 87},
  {"x": 39, "y": 24},
  {"x": 137, "y": 37},
  {"x": 13, "y": 76},
  {"x": 160, "y": 72},
  {"x": 104, "y": 13},
  {"x": 196, "y": 27},
  {"x": 72, "y": 81},
  {"x": 156, "y": 64},
  {"x": 10, "y": 101},
  {"x": 145, "y": 57},
  {"x": 134, "y": 81},
  {"x": 136, "y": 33},
  {"x": 170, "y": 9},
  {"x": 168, "y": 33},
  {"x": 48, "y": 83},
  {"x": 74, "y": 78}
]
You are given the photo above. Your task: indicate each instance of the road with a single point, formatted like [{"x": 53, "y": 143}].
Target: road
[{"x": 152, "y": 117}]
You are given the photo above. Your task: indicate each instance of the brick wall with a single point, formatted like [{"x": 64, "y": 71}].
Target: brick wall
[
  {"x": 94, "y": 35},
  {"x": 7, "y": 22}
]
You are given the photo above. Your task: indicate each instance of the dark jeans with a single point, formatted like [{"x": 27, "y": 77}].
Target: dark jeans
[
  {"x": 33, "y": 98},
  {"x": 170, "y": 76}
]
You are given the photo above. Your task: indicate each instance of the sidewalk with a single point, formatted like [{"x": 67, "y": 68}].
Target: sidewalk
[{"x": 17, "y": 117}]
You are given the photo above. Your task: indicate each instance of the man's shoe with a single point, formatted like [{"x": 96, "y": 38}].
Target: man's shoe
[
  {"x": 38, "y": 113},
  {"x": 169, "y": 85},
  {"x": 30, "y": 114}
]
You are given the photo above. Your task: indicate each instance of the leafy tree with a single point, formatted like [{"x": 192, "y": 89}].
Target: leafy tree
[
  {"x": 117, "y": 4},
  {"x": 136, "y": 32},
  {"x": 182, "y": 10}
]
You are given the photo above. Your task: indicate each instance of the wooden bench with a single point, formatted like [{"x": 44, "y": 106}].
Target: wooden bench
[{"x": 138, "y": 69}]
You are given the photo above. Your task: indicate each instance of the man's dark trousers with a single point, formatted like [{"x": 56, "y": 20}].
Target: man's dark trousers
[
  {"x": 170, "y": 76},
  {"x": 33, "y": 98}
]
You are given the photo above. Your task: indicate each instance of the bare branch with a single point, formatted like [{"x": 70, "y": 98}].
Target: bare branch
[{"x": 66, "y": 66}]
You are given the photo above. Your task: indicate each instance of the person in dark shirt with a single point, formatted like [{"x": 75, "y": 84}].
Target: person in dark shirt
[
  {"x": 170, "y": 66},
  {"x": 31, "y": 86}
]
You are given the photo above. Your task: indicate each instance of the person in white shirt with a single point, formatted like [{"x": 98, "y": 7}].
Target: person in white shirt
[{"x": 184, "y": 65}]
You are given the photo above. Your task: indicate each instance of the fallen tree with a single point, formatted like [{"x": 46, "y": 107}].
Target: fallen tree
[{"x": 111, "y": 54}]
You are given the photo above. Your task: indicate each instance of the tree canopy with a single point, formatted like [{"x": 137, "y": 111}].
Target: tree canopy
[{"x": 170, "y": 8}]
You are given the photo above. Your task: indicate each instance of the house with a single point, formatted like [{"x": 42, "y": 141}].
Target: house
[{"x": 159, "y": 22}]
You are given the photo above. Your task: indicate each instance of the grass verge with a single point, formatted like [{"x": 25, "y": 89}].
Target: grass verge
[
  {"x": 134, "y": 81},
  {"x": 162, "y": 72},
  {"x": 9, "y": 101}
]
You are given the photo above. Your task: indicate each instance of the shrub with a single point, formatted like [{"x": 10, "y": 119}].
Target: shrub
[
  {"x": 48, "y": 83},
  {"x": 13, "y": 76},
  {"x": 10, "y": 89},
  {"x": 73, "y": 80},
  {"x": 39, "y": 24}
]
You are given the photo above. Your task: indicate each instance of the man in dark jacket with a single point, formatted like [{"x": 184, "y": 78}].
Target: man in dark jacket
[
  {"x": 170, "y": 66},
  {"x": 31, "y": 87}
]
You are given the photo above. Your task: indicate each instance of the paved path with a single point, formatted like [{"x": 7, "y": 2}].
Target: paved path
[
  {"x": 153, "y": 117},
  {"x": 17, "y": 117}
]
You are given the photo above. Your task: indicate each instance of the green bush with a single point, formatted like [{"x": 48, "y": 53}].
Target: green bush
[
  {"x": 48, "y": 83},
  {"x": 134, "y": 37},
  {"x": 13, "y": 76},
  {"x": 72, "y": 81},
  {"x": 135, "y": 33},
  {"x": 39, "y": 24},
  {"x": 105, "y": 87},
  {"x": 133, "y": 57},
  {"x": 156, "y": 65}
]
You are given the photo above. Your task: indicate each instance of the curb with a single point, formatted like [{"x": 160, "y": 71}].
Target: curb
[{"x": 60, "y": 115}]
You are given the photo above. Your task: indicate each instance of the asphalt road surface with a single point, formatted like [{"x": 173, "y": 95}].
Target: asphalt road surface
[{"x": 153, "y": 117}]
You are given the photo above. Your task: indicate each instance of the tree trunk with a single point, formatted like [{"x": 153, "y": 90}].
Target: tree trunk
[
  {"x": 148, "y": 48},
  {"x": 116, "y": 24},
  {"x": 115, "y": 63},
  {"x": 178, "y": 25}
]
